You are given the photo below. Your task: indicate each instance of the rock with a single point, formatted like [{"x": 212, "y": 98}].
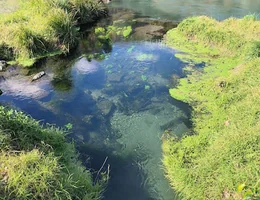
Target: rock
[
  {"x": 88, "y": 119},
  {"x": 3, "y": 65},
  {"x": 1, "y": 92},
  {"x": 106, "y": 1},
  {"x": 38, "y": 76},
  {"x": 168, "y": 125},
  {"x": 2, "y": 79},
  {"x": 106, "y": 107},
  {"x": 115, "y": 77},
  {"x": 149, "y": 31}
]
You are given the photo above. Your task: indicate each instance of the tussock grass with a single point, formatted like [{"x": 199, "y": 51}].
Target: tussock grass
[
  {"x": 39, "y": 28},
  {"x": 37, "y": 163},
  {"x": 221, "y": 160}
]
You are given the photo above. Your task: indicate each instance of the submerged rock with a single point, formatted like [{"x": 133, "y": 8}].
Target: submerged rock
[
  {"x": 149, "y": 31},
  {"x": 38, "y": 76},
  {"x": 88, "y": 119},
  {"x": 2, "y": 79},
  {"x": 115, "y": 77},
  {"x": 106, "y": 107},
  {"x": 3, "y": 65}
]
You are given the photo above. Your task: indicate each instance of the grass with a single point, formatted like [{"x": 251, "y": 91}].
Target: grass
[
  {"x": 39, "y": 28},
  {"x": 36, "y": 162},
  {"x": 221, "y": 159}
]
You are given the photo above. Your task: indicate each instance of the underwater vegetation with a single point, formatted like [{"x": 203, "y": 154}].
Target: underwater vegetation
[
  {"x": 144, "y": 57},
  {"x": 221, "y": 159},
  {"x": 41, "y": 28},
  {"x": 110, "y": 33}
]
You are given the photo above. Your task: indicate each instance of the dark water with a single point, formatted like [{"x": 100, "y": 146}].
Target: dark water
[
  {"x": 115, "y": 94},
  {"x": 179, "y": 9}
]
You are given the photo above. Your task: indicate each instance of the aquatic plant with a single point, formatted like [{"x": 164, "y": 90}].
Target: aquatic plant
[
  {"x": 38, "y": 163},
  {"x": 144, "y": 57},
  {"x": 126, "y": 31},
  {"x": 144, "y": 78},
  {"x": 222, "y": 154},
  {"x": 41, "y": 28},
  {"x": 130, "y": 49},
  {"x": 147, "y": 87}
]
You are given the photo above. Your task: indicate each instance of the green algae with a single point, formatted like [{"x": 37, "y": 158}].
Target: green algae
[
  {"x": 113, "y": 31},
  {"x": 144, "y": 57},
  {"x": 144, "y": 78},
  {"x": 147, "y": 87}
]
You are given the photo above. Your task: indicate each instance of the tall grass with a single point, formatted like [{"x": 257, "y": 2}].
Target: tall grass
[
  {"x": 221, "y": 160},
  {"x": 37, "y": 163},
  {"x": 39, "y": 28}
]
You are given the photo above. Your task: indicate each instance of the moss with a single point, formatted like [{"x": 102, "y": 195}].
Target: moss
[
  {"x": 39, "y": 28},
  {"x": 36, "y": 162},
  {"x": 223, "y": 153}
]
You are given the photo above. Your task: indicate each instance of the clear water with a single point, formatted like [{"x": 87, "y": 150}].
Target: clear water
[
  {"x": 118, "y": 106},
  {"x": 179, "y": 9},
  {"x": 118, "y": 101}
]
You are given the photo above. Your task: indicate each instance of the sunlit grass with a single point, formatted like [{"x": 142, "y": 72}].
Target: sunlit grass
[
  {"x": 40, "y": 27},
  {"x": 37, "y": 163},
  {"x": 221, "y": 160}
]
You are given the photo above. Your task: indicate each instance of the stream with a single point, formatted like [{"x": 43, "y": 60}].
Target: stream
[{"x": 115, "y": 94}]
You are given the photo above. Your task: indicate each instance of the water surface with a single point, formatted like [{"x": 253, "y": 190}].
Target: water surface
[
  {"x": 116, "y": 94},
  {"x": 179, "y": 9},
  {"x": 119, "y": 106}
]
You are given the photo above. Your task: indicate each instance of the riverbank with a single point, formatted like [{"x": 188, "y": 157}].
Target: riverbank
[
  {"x": 220, "y": 159},
  {"x": 38, "y": 163},
  {"x": 38, "y": 28}
]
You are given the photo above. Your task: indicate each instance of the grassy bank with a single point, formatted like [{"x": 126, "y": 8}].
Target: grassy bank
[
  {"x": 37, "y": 163},
  {"x": 40, "y": 28},
  {"x": 221, "y": 159}
]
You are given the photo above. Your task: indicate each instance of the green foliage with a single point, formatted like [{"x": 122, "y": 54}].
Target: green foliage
[
  {"x": 147, "y": 87},
  {"x": 127, "y": 31},
  {"x": 69, "y": 126},
  {"x": 221, "y": 160},
  {"x": 144, "y": 57},
  {"x": 252, "y": 17},
  {"x": 144, "y": 78},
  {"x": 39, "y": 28},
  {"x": 37, "y": 163}
]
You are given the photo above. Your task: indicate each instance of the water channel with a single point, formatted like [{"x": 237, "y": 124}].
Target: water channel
[{"x": 115, "y": 94}]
